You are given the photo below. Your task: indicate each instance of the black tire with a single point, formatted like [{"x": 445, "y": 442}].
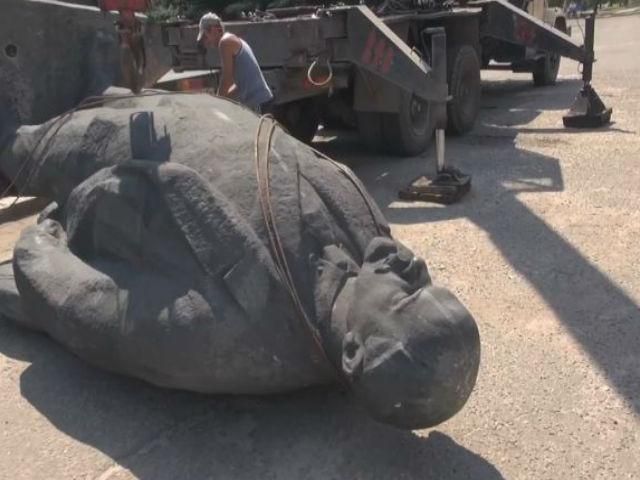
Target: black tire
[
  {"x": 463, "y": 68},
  {"x": 299, "y": 118},
  {"x": 409, "y": 131},
  {"x": 405, "y": 133},
  {"x": 546, "y": 70}
]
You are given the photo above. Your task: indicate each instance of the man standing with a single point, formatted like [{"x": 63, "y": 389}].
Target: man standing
[{"x": 241, "y": 77}]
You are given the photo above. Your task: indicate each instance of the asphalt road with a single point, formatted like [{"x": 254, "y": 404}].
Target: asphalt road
[{"x": 544, "y": 252}]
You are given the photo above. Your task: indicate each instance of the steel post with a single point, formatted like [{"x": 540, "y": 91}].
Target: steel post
[
  {"x": 449, "y": 184},
  {"x": 587, "y": 65},
  {"x": 440, "y": 165}
]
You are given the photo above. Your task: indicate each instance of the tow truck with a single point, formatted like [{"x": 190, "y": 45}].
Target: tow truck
[{"x": 396, "y": 70}]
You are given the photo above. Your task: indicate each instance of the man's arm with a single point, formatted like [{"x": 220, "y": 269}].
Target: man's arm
[{"x": 229, "y": 46}]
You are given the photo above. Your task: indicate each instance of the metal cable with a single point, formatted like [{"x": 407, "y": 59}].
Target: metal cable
[
  {"x": 263, "y": 140},
  {"x": 356, "y": 183}
]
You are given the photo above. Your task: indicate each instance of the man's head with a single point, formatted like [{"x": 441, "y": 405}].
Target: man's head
[
  {"x": 411, "y": 349},
  {"x": 210, "y": 30}
]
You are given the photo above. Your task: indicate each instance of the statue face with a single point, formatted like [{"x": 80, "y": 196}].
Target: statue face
[{"x": 412, "y": 349}]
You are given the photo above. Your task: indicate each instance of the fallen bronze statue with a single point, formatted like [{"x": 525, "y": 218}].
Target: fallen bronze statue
[{"x": 196, "y": 246}]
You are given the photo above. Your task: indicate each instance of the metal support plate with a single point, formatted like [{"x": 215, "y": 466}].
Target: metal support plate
[{"x": 447, "y": 187}]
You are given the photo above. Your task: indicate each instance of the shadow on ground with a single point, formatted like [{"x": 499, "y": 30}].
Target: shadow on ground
[
  {"x": 599, "y": 314},
  {"x": 11, "y": 213},
  {"x": 159, "y": 434}
]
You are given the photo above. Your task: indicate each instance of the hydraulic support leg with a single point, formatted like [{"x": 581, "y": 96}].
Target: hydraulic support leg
[
  {"x": 587, "y": 110},
  {"x": 449, "y": 184}
]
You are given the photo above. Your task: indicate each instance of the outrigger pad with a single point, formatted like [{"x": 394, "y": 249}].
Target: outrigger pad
[
  {"x": 587, "y": 111},
  {"x": 448, "y": 187}
]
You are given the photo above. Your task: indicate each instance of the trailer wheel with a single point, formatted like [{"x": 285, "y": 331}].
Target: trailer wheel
[
  {"x": 405, "y": 133},
  {"x": 546, "y": 70},
  {"x": 464, "y": 87},
  {"x": 409, "y": 131},
  {"x": 300, "y": 118}
]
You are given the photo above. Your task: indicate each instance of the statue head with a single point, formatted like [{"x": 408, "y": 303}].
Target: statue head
[{"x": 411, "y": 349}]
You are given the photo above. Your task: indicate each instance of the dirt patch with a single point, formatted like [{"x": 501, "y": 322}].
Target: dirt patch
[{"x": 14, "y": 217}]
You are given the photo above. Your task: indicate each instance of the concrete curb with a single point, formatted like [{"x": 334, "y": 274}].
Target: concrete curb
[{"x": 613, "y": 13}]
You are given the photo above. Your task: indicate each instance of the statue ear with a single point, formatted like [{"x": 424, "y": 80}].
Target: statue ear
[{"x": 352, "y": 354}]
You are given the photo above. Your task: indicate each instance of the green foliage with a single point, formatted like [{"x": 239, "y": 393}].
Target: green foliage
[
  {"x": 232, "y": 8},
  {"x": 162, "y": 10},
  {"x": 193, "y": 9},
  {"x": 229, "y": 9}
]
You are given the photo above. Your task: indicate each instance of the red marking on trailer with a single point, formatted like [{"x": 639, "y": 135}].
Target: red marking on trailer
[
  {"x": 524, "y": 31},
  {"x": 388, "y": 60},
  {"x": 379, "y": 52},
  {"x": 366, "y": 54}
]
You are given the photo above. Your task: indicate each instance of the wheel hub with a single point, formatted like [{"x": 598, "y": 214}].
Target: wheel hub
[{"x": 419, "y": 114}]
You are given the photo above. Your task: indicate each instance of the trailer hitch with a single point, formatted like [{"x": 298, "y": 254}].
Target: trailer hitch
[{"x": 588, "y": 110}]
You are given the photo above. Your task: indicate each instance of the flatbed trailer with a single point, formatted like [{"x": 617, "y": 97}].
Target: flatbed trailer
[{"x": 395, "y": 75}]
